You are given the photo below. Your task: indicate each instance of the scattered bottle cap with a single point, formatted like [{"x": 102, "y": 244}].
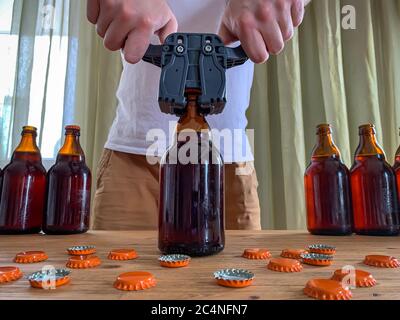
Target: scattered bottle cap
[
  {"x": 8, "y": 274},
  {"x": 256, "y": 254},
  {"x": 49, "y": 279},
  {"x": 293, "y": 253},
  {"x": 134, "y": 281},
  {"x": 234, "y": 278},
  {"x": 325, "y": 289},
  {"x": 362, "y": 278},
  {"x": 317, "y": 259},
  {"x": 381, "y": 261},
  {"x": 83, "y": 262},
  {"x": 30, "y": 257},
  {"x": 174, "y": 260},
  {"x": 285, "y": 265},
  {"x": 122, "y": 254},
  {"x": 81, "y": 250},
  {"x": 322, "y": 249}
]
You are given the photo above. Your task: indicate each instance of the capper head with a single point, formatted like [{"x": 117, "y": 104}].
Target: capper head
[{"x": 193, "y": 62}]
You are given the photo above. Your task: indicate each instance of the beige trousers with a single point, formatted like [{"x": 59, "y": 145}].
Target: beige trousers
[{"x": 127, "y": 194}]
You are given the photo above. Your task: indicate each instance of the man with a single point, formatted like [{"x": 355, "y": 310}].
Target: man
[{"x": 127, "y": 186}]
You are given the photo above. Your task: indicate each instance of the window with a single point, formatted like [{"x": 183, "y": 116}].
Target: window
[{"x": 34, "y": 48}]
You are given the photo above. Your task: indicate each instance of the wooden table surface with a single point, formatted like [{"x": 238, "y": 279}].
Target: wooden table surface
[{"x": 195, "y": 281}]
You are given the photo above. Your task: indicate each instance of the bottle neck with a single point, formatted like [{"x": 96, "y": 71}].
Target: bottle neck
[
  {"x": 325, "y": 147},
  {"x": 369, "y": 147},
  {"x": 71, "y": 148},
  {"x": 192, "y": 122},
  {"x": 27, "y": 147}
]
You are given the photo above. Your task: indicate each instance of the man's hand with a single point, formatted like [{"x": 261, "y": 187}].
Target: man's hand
[
  {"x": 262, "y": 26},
  {"x": 129, "y": 24}
]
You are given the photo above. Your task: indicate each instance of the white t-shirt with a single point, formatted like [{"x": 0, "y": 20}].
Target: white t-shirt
[{"x": 138, "y": 110}]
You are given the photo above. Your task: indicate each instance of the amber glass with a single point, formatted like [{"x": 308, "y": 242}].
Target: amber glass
[
  {"x": 396, "y": 168},
  {"x": 191, "y": 209},
  {"x": 373, "y": 187},
  {"x": 24, "y": 187},
  {"x": 327, "y": 188},
  {"x": 68, "y": 190}
]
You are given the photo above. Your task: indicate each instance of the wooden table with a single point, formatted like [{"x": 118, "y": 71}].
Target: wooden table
[{"x": 195, "y": 281}]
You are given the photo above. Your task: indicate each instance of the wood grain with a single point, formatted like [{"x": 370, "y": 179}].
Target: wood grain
[{"x": 195, "y": 281}]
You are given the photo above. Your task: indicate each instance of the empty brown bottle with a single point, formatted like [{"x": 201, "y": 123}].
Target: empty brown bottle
[
  {"x": 68, "y": 190},
  {"x": 373, "y": 187},
  {"x": 327, "y": 188},
  {"x": 191, "y": 209},
  {"x": 24, "y": 186}
]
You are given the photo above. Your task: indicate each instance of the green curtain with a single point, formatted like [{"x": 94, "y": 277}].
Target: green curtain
[{"x": 326, "y": 74}]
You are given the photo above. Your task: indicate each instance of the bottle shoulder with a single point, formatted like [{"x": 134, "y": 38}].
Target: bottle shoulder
[
  {"x": 371, "y": 165},
  {"x": 65, "y": 168},
  {"x": 326, "y": 164}
]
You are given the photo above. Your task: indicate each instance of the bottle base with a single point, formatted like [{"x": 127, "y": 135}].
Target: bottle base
[
  {"x": 63, "y": 232},
  {"x": 192, "y": 251},
  {"x": 379, "y": 233},
  {"x": 325, "y": 232},
  {"x": 20, "y": 232}
]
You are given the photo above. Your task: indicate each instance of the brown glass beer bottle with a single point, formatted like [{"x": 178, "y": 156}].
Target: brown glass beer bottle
[
  {"x": 24, "y": 186},
  {"x": 327, "y": 188},
  {"x": 373, "y": 187},
  {"x": 396, "y": 168},
  {"x": 68, "y": 190},
  {"x": 191, "y": 208}
]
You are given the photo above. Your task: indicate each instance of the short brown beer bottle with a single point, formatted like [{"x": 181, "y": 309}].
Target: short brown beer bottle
[
  {"x": 327, "y": 188},
  {"x": 373, "y": 187},
  {"x": 22, "y": 198},
  {"x": 191, "y": 208},
  {"x": 68, "y": 190}
]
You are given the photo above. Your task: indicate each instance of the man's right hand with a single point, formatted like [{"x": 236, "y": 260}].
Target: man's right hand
[{"x": 130, "y": 24}]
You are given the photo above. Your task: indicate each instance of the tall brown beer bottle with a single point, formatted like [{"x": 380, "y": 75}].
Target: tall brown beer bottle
[
  {"x": 191, "y": 209},
  {"x": 327, "y": 188},
  {"x": 373, "y": 187},
  {"x": 68, "y": 191},
  {"x": 24, "y": 186}
]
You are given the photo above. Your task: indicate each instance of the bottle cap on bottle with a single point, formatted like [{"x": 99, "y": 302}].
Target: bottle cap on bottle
[
  {"x": 317, "y": 259},
  {"x": 81, "y": 250},
  {"x": 322, "y": 249},
  {"x": 42, "y": 279},
  {"x": 83, "y": 262},
  {"x": 122, "y": 254},
  {"x": 234, "y": 278},
  {"x": 284, "y": 265},
  {"x": 30, "y": 257},
  {"x": 325, "y": 289},
  {"x": 381, "y": 261},
  {"x": 134, "y": 281},
  {"x": 8, "y": 274},
  {"x": 293, "y": 253},
  {"x": 362, "y": 278},
  {"x": 174, "y": 260},
  {"x": 256, "y": 254}
]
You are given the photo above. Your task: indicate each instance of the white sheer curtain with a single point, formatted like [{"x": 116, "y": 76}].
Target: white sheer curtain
[{"x": 38, "y": 70}]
